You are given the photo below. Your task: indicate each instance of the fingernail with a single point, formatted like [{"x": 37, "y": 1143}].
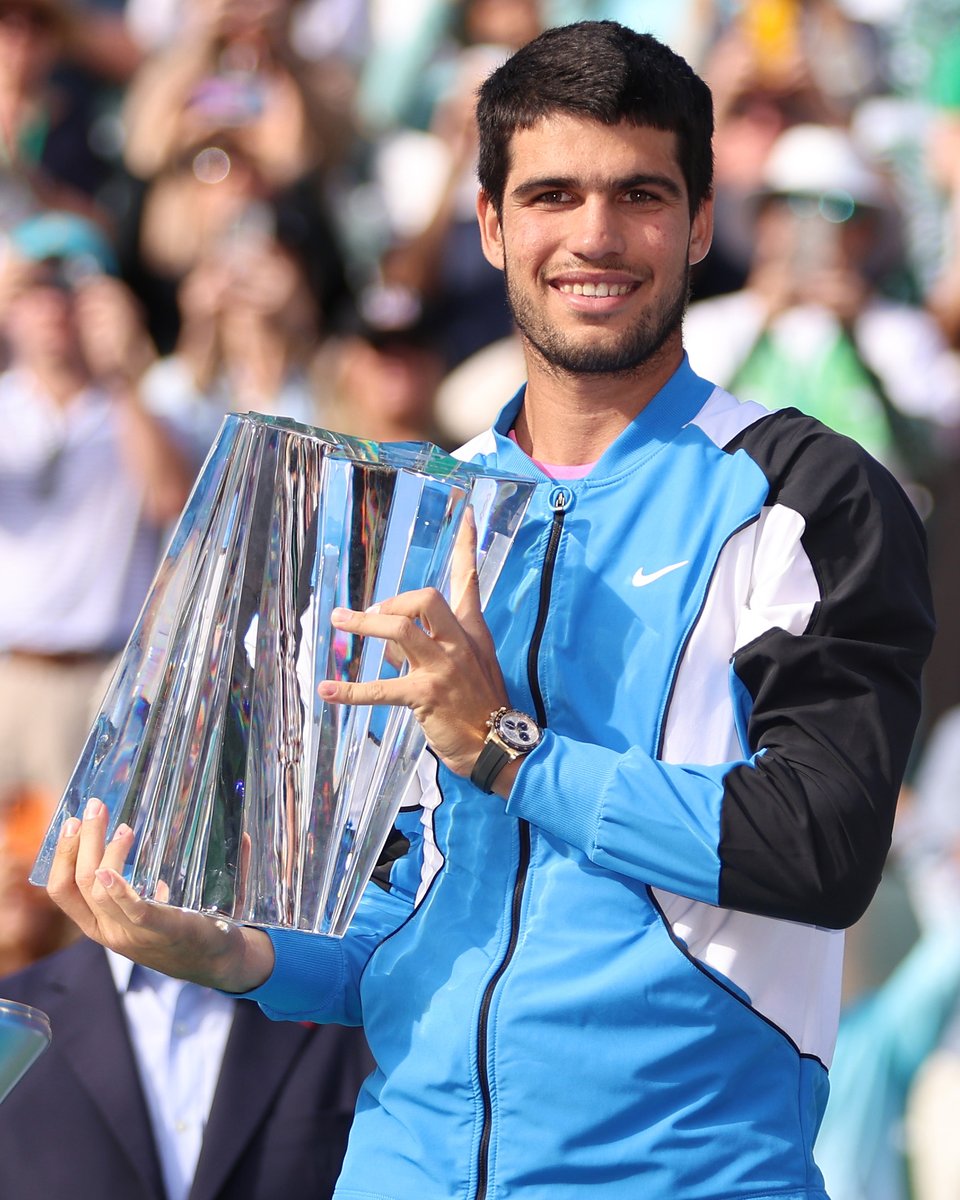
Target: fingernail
[
  {"x": 374, "y": 608},
  {"x": 339, "y": 614},
  {"x": 327, "y": 689},
  {"x": 105, "y": 877},
  {"x": 71, "y": 827},
  {"x": 93, "y": 808},
  {"x": 121, "y": 831}
]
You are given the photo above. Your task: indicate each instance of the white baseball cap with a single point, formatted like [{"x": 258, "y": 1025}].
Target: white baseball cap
[{"x": 822, "y": 160}]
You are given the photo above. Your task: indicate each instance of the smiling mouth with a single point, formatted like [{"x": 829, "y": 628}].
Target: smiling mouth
[{"x": 595, "y": 289}]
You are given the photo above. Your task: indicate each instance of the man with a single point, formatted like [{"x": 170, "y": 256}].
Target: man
[
  {"x": 159, "y": 1090},
  {"x": 89, "y": 481},
  {"x": 812, "y": 328},
  {"x": 624, "y": 980}
]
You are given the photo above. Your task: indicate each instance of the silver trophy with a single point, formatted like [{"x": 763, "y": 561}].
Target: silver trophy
[
  {"x": 24, "y": 1035},
  {"x": 250, "y": 797}
]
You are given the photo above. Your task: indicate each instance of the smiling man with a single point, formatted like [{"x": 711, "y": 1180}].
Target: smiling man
[
  {"x": 596, "y": 256},
  {"x": 665, "y": 759}
]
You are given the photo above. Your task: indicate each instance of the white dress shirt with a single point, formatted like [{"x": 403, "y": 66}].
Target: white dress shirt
[{"x": 179, "y": 1033}]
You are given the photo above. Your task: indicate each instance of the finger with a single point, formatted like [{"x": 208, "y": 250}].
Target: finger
[
  {"x": 413, "y": 621},
  {"x": 147, "y": 931},
  {"x": 464, "y": 578},
  {"x": 396, "y": 692},
  {"x": 427, "y": 609},
  {"x": 64, "y": 865},
  {"x": 123, "y": 911},
  {"x": 106, "y": 892},
  {"x": 62, "y": 883},
  {"x": 93, "y": 834},
  {"x": 465, "y": 588},
  {"x": 117, "y": 850}
]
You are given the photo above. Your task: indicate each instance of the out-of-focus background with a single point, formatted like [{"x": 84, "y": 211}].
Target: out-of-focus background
[{"x": 222, "y": 205}]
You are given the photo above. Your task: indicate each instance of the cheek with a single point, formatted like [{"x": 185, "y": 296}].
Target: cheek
[
  {"x": 526, "y": 252},
  {"x": 667, "y": 241}
]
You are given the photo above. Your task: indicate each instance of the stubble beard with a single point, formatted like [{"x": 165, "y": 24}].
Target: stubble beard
[{"x": 638, "y": 345}]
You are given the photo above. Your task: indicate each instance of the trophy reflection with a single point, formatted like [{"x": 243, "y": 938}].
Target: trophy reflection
[{"x": 249, "y": 796}]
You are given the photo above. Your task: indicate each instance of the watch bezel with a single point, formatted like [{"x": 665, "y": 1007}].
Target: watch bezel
[{"x": 510, "y": 741}]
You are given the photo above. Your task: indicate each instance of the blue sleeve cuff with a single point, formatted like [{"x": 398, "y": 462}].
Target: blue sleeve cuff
[
  {"x": 308, "y": 972},
  {"x": 630, "y": 813},
  {"x": 317, "y": 978}
]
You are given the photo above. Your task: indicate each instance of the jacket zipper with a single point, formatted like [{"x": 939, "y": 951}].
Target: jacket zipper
[{"x": 559, "y": 505}]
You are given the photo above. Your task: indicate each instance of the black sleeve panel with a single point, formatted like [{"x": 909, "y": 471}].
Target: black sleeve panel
[{"x": 805, "y": 832}]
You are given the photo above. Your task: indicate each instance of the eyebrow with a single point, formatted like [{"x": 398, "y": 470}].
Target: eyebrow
[{"x": 560, "y": 183}]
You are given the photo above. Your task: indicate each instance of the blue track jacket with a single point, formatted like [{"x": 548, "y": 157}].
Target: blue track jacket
[{"x": 625, "y": 981}]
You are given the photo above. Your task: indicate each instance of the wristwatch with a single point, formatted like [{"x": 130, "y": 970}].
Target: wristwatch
[{"x": 512, "y": 734}]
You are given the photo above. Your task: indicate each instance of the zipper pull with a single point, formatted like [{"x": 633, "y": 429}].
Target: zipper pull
[{"x": 561, "y": 500}]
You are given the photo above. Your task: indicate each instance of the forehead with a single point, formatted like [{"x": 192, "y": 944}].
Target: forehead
[{"x": 568, "y": 147}]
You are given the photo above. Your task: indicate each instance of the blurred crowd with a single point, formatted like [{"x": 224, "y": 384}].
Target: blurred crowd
[{"x": 227, "y": 205}]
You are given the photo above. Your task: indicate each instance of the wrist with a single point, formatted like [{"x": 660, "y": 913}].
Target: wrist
[
  {"x": 511, "y": 735},
  {"x": 247, "y": 959}
]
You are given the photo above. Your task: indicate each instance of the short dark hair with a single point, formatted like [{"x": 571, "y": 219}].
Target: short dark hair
[{"x": 602, "y": 71}]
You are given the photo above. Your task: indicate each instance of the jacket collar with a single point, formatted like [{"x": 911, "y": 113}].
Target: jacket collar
[{"x": 657, "y": 424}]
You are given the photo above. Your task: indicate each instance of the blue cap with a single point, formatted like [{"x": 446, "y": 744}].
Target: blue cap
[{"x": 64, "y": 235}]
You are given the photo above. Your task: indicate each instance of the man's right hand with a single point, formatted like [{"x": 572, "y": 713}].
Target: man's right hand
[{"x": 86, "y": 882}]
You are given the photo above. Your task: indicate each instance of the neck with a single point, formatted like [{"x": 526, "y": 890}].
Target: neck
[
  {"x": 570, "y": 419},
  {"x": 258, "y": 363},
  {"x": 60, "y": 380}
]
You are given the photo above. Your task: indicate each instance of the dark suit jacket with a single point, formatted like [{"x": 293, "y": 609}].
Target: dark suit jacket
[{"x": 76, "y": 1124}]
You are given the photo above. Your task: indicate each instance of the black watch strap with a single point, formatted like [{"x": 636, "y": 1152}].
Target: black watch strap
[{"x": 491, "y": 761}]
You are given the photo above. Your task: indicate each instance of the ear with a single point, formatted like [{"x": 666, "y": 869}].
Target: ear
[
  {"x": 491, "y": 235},
  {"x": 701, "y": 232}
]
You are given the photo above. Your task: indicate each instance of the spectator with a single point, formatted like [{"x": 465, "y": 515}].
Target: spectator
[
  {"x": 46, "y": 157},
  {"x": 228, "y": 116},
  {"x": 932, "y": 860},
  {"x": 89, "y": 479},
  {"x": 162, "y": 1091},
  {"x": 754, "y": 105},
  {"x": 901, "y": 987},
  {"x": 250, "y": 327},
  {"x": 233, "y": 69},
  {"x": 388, "y": 372},
  {"x": 415, "y": 57},
  {"x": 885, "y": 1039},
  {"x": 812, "y": 327},
  {"x": 434, "y": 249},
  {"x": 944, "y": 165}
]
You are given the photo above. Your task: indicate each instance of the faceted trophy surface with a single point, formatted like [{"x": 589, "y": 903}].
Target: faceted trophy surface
[{"x": 250, "y": 796}]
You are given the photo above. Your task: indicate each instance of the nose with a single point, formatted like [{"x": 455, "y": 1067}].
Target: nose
[{"x": 598, "y": 231}]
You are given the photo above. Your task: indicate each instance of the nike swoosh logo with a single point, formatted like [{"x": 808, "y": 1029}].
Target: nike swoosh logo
[{"x": 641, "y": 580}]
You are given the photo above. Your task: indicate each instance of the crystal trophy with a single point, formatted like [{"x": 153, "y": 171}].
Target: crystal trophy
[
  {"x": 250, "y": 797},
  {"x": 24, "y": 1035}
]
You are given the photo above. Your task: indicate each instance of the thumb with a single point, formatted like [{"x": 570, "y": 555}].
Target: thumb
[
  {"x": 465, "y": 598},
  {"x": 464, "y": 577}
]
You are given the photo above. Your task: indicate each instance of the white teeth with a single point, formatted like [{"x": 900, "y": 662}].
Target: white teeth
[{"x": 595, "y": 289}]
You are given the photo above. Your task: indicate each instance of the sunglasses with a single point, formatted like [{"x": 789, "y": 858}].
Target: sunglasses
[{"x": 837, "y": 207}]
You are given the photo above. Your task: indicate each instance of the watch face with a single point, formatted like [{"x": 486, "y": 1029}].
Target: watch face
[{"x": 518, "y": 731}]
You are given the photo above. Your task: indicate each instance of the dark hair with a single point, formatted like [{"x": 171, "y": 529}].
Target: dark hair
[{"x": 602, "y": 71}]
